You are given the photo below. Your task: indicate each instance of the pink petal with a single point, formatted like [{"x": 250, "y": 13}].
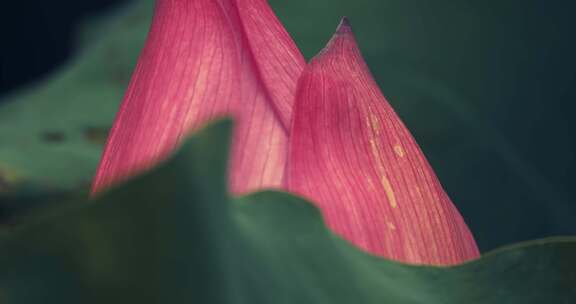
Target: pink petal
[
  {"x": 204, "y": 59},
  {"x": 352, "y": 155}
]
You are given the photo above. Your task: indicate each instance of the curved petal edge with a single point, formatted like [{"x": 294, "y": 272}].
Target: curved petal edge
[{"x": 351, "y": 154}]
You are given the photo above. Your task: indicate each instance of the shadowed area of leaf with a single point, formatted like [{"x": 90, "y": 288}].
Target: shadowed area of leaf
[{"x": 174, "y": 236}]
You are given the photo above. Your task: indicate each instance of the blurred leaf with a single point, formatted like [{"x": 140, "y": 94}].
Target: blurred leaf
[
  {"x": 52, "y": 133},
  {"x": 173, "y": 236}
]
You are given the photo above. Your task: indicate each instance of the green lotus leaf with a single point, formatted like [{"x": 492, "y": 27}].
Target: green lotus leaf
[{"x": 173, "y": 235}]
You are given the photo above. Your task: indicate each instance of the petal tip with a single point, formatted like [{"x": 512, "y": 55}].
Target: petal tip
[
  {"x": 344, "y": 27},
  {"x": 342, "y": 38}
]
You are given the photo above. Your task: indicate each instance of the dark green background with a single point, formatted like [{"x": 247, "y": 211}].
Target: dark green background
[{"x": 487, "y": 88}]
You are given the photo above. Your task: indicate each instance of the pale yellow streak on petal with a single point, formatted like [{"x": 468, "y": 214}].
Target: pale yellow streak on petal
[
  {"x": 389, "y": 192},
  {"x": 375, "y": 124},
  {"x": 381, "y": 171}
]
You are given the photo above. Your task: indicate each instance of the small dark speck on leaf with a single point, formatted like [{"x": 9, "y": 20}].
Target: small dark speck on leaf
[
  {"x": 53, "y": 136},
  {"x": 96, "y": 135}
]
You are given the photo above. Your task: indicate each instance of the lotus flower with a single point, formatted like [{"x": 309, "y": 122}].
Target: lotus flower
[
  {"x": 323, "y": 130},
  {"x": 204, "y": 59},
  {"x": 352, "y": 155}
]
